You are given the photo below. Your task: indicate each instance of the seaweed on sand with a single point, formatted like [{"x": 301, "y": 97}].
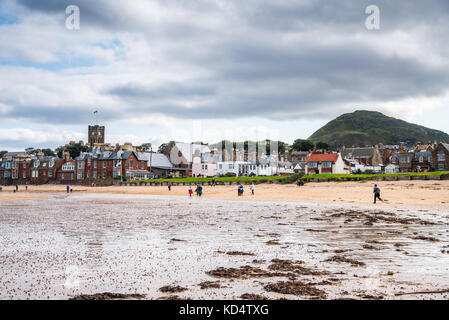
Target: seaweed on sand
[
  {"x": 296, "y": 288},
  {"x": 353, "y": 262},
  {"x": 107, "y": 296}
]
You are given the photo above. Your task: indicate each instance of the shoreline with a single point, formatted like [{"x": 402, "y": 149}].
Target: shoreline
[{"x": 413, "y": 195}]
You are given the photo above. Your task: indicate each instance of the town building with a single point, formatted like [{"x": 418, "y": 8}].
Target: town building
[
  {"x": 325, "y": 163},
  {"x": 440, "y": 157},
  {"x": 368, "y": 156}
]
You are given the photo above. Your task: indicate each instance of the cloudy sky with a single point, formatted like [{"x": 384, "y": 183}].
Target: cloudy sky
[{"x": 159, "y": 70}]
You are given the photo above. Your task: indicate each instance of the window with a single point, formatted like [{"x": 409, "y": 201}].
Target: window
[
  {"x": 326, "y": 164},
  {"x": 62, "y": 176},
  {"x": 24, "y": 175},
  {"x": 95, "y": 164},
  {"x": 104, "y": 174},
  {"x": 115, "y": 174},
  {"x": 80, "y": 175},
  {"x": 405, "y": 159},
  {"x": 50, "y": 173},
  {"x": 441, "y": 157},
  {"x": 80, "y": 164},
  {"x": 95, "y": 175},
  {"x": 231, "y": 166},
  {"x": 24, "y": 165},
  {"x": 104, "y": 164},
  {"x": 220, "y": 166},
  {"x": 312, "y": 164},
  {"x": 72, "y": 176},
  {"x": 421, "y": 159},
  {"x": 68, "y": 166},
  {"x": 441, "y": 167}
]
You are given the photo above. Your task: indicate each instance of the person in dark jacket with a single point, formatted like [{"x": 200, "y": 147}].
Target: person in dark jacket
[{"x": 376, "y": 192}]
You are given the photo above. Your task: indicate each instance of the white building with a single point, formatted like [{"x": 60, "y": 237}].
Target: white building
[
  {"x": 235, "y": 167},
  {"x": 391, "y": 168},
  {"x": 204, "y": 165},
  {"x": 182, "y": 153},
  {"x": 325, "y": 163}
]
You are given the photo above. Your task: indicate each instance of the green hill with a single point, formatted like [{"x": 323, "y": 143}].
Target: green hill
[{"x": 362, "y": 128}]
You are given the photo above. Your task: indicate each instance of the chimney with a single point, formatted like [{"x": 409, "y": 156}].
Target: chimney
[{"x": 66, "y": 155}]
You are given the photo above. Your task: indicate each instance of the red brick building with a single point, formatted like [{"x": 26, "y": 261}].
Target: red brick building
[{"x": 440, "y": 157}]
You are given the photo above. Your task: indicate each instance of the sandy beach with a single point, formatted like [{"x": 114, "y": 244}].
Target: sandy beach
[
  {"x": 398, "y": 194},
  {"x": 320, "y": 241}
]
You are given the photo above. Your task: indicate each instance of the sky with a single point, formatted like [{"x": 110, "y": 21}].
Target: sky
[{"x": 207, "y": 70}]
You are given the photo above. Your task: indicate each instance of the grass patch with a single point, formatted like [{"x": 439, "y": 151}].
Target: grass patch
[
  {"x": 357, "y": 176},
  {"x": 256, "y": 180}
]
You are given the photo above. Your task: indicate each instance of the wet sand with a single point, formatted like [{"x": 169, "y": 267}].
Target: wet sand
[{"x": 174, "y": 247}]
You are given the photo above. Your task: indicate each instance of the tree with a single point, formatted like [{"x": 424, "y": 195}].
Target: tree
[
  {"x": 31, "y": 151},
  {"x": 302, "y": 145},
  {"x": 322, "y": 145},
  {"x": 2, "y": 153},
  {"x": 74, "y": 150},
  {"x": 164, "y": 146},
  {"x": 146, "y": 146},
  {"x": 48, "y": 152},
  {"x": 281, "y": 146},
  {"x": 59, "y": 151}
]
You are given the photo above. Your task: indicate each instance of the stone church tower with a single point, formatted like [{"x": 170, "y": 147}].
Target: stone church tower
[{"x": 96, "y": 134}]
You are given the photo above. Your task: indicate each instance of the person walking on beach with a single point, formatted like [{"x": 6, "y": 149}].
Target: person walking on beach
[
  {"x": 200, "y": 191},
  {"x": 376, "y": 192},
  {"x": 68, "y": 189},
  {"x": 169, "y": 187},
  {"x": 252, "y": 188},
  {"x": 240, "y": 190},
  {"x": 190, "y": 192},
  {"x": 213, "y": 182}
]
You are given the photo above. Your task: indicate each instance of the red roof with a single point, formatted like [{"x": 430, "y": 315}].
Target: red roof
[{"x": 320, "y": 157}]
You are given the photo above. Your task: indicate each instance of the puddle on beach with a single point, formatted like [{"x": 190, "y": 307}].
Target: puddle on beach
[{"x": 71, "y": 245}]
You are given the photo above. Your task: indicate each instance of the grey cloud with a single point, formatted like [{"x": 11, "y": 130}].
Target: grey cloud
[
  {"x": 254, "y": 71},
  {"x": 166, "y": 91},
  {"x": 62, "y": 115}
]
